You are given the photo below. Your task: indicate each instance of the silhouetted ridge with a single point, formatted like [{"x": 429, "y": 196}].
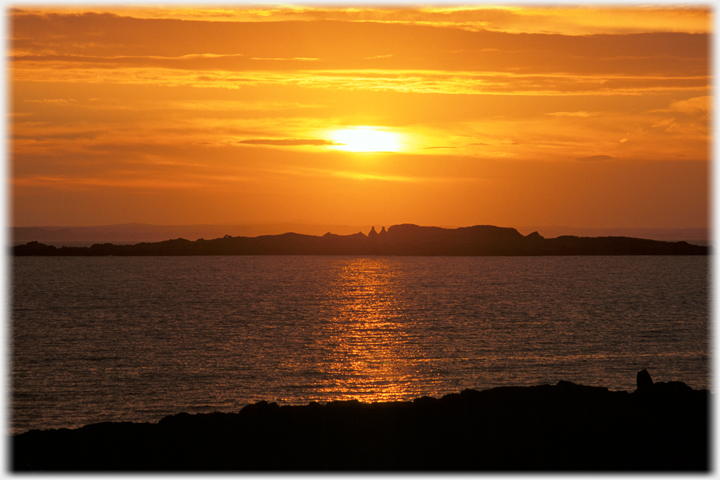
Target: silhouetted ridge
[
  {"x": 405, "y": 239},
  {"x": 659, "y": 427}
]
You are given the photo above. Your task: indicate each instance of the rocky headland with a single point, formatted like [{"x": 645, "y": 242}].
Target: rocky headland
[
  {"x": 660, "y": 427},
  {"x": 485, "y": 240}
]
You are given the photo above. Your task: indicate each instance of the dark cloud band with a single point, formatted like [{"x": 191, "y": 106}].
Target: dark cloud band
[
  {"x": 595, "y": 158},
  {"x": 289, "y": 142}
]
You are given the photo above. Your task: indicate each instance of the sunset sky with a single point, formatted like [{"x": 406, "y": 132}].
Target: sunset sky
[{"x": 447, "y": 115}]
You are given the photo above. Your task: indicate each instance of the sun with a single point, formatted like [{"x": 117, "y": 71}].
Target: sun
[{"x": 366, "y": 139}]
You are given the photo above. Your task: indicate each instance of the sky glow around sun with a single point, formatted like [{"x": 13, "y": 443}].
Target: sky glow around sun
[{"x": 594, "y": 116}]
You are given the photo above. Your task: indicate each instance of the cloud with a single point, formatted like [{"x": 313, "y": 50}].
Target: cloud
[
  {"x": 595, "y": 158},
  {"x": 232, "y": 45},
  {"x": 156, "y": 72},
  {"x": 352, "y": 55},
  {"x": 568, "y": 20},
  {"x": 668, "y": 122},
  {"x": 570, "y": 114},
  {"x": 574, "y": 20},
  {"x": 283, "y": 59},
  {"x": 287, "y": 142},
  {"x": 368, "y": 176},
  {"x": 61, "y": 102},
  {"x": 692, "y": 105},
  {"x": 73, "y": 183}
]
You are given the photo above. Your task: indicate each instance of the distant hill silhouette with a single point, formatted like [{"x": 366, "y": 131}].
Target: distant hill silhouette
[
  {"x": 406, "y": 239},
  {"x": 131, "y": 233}
]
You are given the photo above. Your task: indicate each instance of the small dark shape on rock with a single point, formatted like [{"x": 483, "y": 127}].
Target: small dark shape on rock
[{"x": 644, "y": 380}]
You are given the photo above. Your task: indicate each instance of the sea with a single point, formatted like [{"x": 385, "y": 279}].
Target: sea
[{"x": 98, "y": 339}]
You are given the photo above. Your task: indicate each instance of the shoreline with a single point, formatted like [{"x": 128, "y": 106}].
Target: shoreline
[{"x": 563, "y": 427}]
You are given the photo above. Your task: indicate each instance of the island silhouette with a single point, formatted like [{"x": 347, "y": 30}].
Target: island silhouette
[{"x": 405, "y": 239}]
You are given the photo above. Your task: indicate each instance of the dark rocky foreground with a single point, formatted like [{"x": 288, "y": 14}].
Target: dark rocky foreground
[
  {"x": 486, "y": 240},
  {"x": 565, "y": 427}
]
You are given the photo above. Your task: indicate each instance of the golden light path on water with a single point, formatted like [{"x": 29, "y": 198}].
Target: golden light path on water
[
  {"x": 138, "y": 339},
  {"x": 365, "y": 337}
]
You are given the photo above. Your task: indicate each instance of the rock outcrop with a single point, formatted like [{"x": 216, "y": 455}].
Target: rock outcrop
[{"x": 563, "y": 427}]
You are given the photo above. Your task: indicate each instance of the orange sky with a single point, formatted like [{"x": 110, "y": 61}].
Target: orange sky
[{"x": 510, "y": 116}]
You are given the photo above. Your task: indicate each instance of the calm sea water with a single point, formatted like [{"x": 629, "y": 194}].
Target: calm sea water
[{"x": 140, "y": 338}]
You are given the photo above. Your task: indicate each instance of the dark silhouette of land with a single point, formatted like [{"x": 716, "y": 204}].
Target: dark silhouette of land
[
  {"x": 397, "y": 240},
  {"x": 564, "y": 427},
  {"x": 131, "y": 233}
]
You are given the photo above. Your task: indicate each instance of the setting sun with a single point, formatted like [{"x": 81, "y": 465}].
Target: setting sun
[{"x": 366, "y": 139}]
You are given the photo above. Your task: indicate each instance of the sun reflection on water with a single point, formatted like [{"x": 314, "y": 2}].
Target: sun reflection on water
[
  {"x": 159, "y": 336},
  {"x": 365, "y": 337}
]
